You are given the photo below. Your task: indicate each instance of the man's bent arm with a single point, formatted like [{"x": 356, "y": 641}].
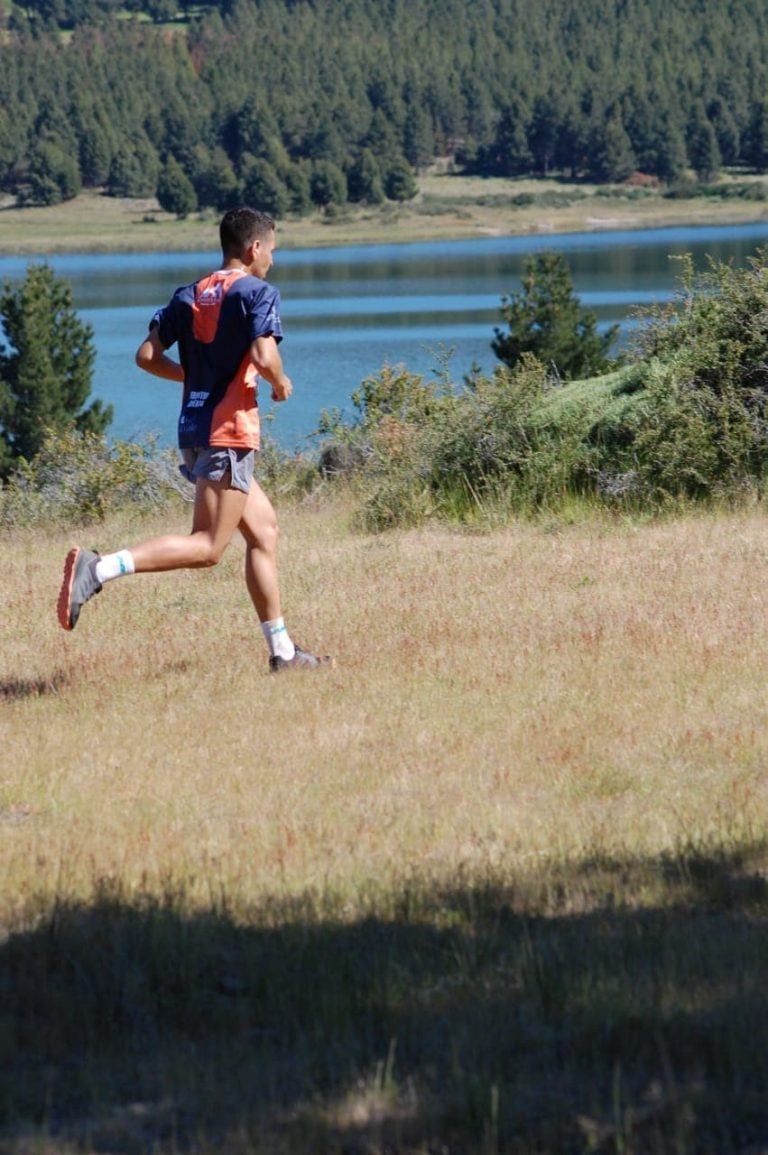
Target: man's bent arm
[
  {"x": 266, "y": 357},
  {"x": 152, "y": 358}
]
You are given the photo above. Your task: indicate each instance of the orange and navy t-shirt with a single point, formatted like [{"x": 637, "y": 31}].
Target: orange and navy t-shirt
[{"x": 214, "y": 321}]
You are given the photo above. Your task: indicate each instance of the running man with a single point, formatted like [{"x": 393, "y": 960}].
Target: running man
[{"x": 227, "y": 328}]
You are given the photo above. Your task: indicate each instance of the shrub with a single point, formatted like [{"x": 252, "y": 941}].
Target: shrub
[
  {"x": 707, "y": 414},
  {"x": 79, "y": 478},
  {"x": 685, "y": 421},
  {"x": 391, "y": 443},
  {"x": 284, "y": 474}
]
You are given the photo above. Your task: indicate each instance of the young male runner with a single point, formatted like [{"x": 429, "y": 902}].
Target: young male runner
[{"x": 227, "y": 328}]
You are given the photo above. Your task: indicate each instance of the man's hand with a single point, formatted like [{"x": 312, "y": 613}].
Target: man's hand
[
  {"x": 266, "y": 358},
  {"x": 282, "y": 388}
]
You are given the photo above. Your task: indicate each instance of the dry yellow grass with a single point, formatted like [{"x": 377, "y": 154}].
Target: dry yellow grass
[
  {"x": 536, "y": 692},
  {"x": 496, "y": 883}
]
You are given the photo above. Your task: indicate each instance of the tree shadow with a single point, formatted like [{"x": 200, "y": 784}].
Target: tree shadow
[{"x": 614, "y": 1005}]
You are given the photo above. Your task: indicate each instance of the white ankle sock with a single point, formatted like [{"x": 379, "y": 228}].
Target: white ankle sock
[
  {"x": 114, "y": 565},
  {"x": 278, "y": 639}
]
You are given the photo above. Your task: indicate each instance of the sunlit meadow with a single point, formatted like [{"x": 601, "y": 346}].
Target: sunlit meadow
[{"x": 495, "y": 883}]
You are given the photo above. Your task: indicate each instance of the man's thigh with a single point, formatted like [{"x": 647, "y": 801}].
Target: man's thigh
[{"x": 218, "y": 510}]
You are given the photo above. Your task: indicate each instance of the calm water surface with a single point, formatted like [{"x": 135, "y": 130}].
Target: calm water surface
[{"x": 348, "y": 311}]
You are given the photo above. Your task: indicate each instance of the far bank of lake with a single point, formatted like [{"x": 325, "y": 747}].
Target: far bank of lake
[{"x": 449, "y": 206}]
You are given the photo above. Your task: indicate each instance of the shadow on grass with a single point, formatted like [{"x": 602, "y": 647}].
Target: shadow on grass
[
  {"x": 610, "y": 1005},
  {"x": 17, "y": 689}
]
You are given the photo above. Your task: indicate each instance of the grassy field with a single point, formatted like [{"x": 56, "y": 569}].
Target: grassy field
[
  {"x": 494, "y": 884},
  {"x": 448, "y": 206}
]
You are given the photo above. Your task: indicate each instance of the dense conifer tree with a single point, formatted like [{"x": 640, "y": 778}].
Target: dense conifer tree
[
  {"x": 509, "y": 153},
  {"x": 175, "y": 191},
  {"x": 703, "y": 149},
  {"x": 726, "y": 130},
  {"x": 547, "y": 320},
  {"x": 53, "y": 175},
  {"x": 328, "y": 185},
  {"x": 262, "y": 186},
  {"x": 364, "y": 181},
  {"x": 611, "y": 157},
  {"x": 46, "y": 363},
  {"x": 399, "y": 182},
  {"x": 757, "y": 136},
  {"x": 134, "y": 170}
]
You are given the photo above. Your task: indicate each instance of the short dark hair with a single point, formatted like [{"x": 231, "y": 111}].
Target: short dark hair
[{"x": 240, "y": 226}]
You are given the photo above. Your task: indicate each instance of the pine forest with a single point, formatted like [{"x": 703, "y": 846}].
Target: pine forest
[{"x": 299, "y": 104}]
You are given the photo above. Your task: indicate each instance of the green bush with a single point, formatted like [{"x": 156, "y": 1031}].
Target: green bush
[
  {"x": 284, "y": 474},
  {"x": 685, "y": 421},
  {"x": 401, "y": 417},
  {"x": 707, "y": 414},
  {"x": 79, "y": 478}
]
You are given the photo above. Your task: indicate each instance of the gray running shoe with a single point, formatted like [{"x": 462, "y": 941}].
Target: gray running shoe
[
  {"x": 78, "y": 585},
  {"x": 301, "y": 660}
]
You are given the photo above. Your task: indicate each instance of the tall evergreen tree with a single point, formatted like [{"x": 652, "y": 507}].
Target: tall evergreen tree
[
  {"x": 668, "y": 158},
  {"x": 328, "y": 184},
  {"x": 214, "y": 178},
  {"x": 726, "y": 130},
  {"x": 95, "y": 153},
  {"x": 297, "y": 183},
  {"x": 703, "y": 149},
  {"x": 418, "y": 137},
  {"x": 134, "y": 170},
  {"x": 544, "y": 131},
  {"x": 509, "y": 154},
  {"x": 364, "y": 180},
  {"x": 399, "y": 181},
  {"x": 547, "y": 320},
  {"x": 46, "y": 364},
  {"x": 175, "y": 191},
  {"x": 574, "y": 142},
  {"x": 263, "y": 188},
  {"x": 611, "y": 157},
  {"x": 54, "y": 175},
  {"x": 757, "y": 137}
]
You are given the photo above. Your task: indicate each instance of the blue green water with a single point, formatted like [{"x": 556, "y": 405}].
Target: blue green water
[{"x": 348, "y": 311}]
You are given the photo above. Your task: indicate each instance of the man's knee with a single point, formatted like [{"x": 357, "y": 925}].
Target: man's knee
[
  {"x": 209, "y": 552},
  {"x": 272, "y": 532}
]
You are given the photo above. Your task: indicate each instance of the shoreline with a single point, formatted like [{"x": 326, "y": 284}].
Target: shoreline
[{"x": 447, "y": 208}]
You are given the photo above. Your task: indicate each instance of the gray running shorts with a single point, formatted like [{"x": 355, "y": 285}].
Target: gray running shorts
[{"x": 213, "y": 463}]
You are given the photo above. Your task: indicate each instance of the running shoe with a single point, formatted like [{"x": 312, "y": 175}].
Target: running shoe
[
  {"x": 78, "y": 585},
  {"x": 301, "y": 660}
]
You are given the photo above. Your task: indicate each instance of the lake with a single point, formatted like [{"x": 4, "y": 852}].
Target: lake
[{"x": 348, "y": 311}]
